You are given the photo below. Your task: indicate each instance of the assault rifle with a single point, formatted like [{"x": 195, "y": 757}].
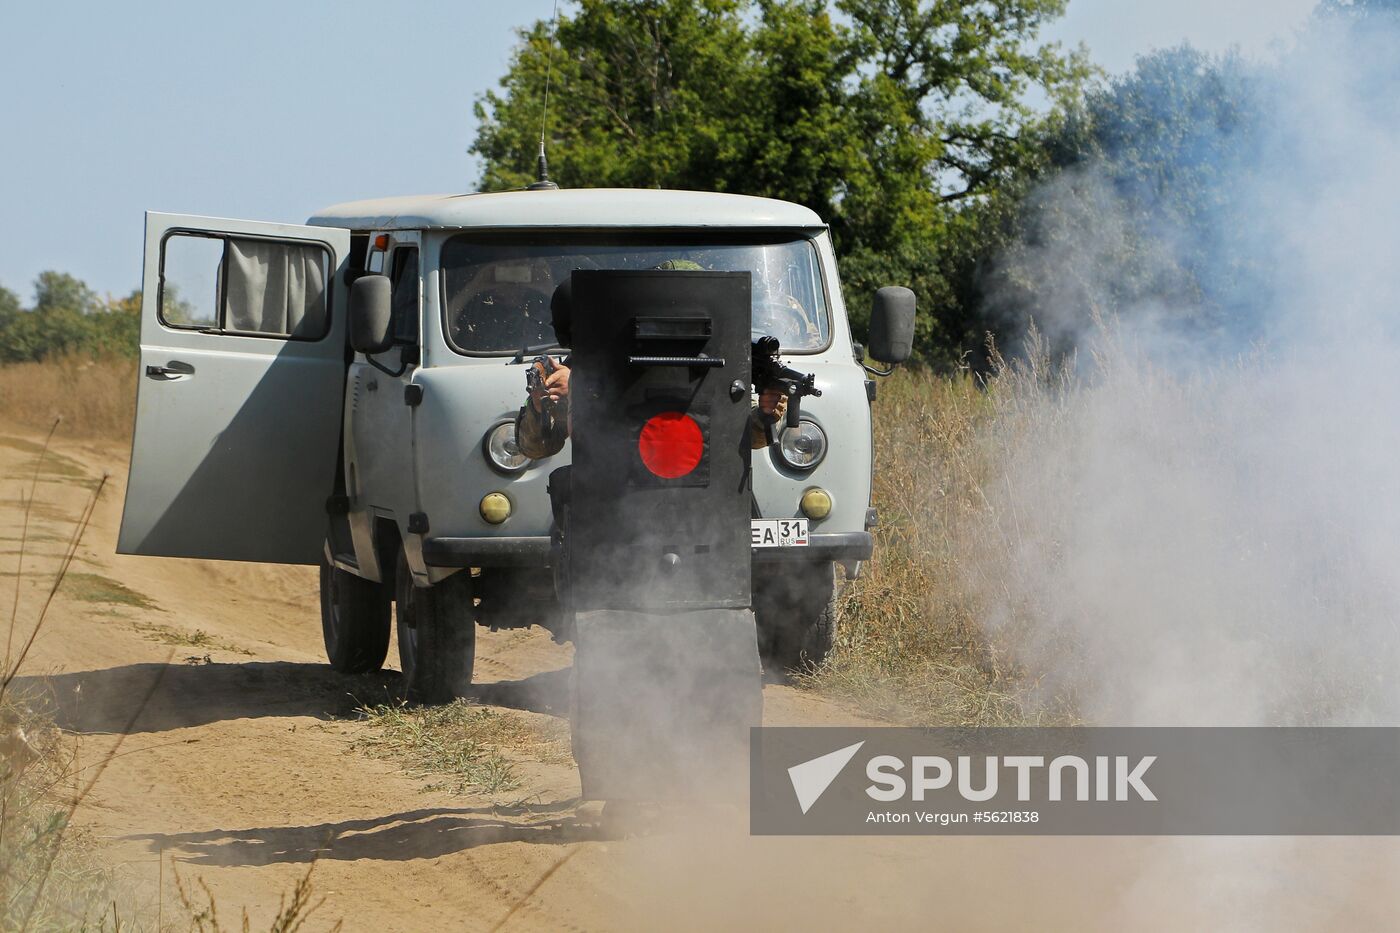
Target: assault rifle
[
  {"x": 534, "y": 381},
  {"x": 770, "y": 372}
]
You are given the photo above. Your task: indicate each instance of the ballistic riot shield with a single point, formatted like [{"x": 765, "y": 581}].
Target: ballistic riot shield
[{"x": 666, "y": 660}]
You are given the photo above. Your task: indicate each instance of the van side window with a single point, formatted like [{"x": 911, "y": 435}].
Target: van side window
[
  {"x": 191, "y": 281},
  {"x": 245, "y": 286},
  {"x": 405, "y": 294}
]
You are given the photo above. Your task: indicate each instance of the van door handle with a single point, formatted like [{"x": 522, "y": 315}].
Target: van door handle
[{"x": 174, "y": 370}]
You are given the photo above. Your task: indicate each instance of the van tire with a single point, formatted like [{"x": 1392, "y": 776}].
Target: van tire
[
  {"x": 355, "y": 620},
  {"x": 437, "y": 635},
  {"x": 795, "y": 607}
]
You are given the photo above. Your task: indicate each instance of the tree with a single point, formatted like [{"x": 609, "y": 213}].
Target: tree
[
  {"x": 9, "y": 308},
  {"x": 116, "y": 329},
  {"x": 1138, "y": 202},
  {"x": 640, "y": 95},
  {"x": 896, "y": 120},
  {"x": 59, "y": 291},
  {"x": 1163, "y": 191},
  {"x": 67, "y": 317}
]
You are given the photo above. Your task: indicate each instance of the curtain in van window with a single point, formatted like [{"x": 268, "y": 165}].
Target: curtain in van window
[{"x": 276, "y": 288}]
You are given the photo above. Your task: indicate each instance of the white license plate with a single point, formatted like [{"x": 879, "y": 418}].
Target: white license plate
[{"x": 778, "y": 532}]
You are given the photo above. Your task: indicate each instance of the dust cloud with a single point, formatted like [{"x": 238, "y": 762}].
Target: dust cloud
[
  {"x": 1198, "y": 524},
  {"x": 1195, "y": 523}
]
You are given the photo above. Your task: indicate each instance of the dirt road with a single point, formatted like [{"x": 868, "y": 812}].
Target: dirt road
[{"x": 239, "y": 765}]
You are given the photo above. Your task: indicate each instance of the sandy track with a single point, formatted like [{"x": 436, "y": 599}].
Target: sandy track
[
  {"x": 236, "y": 761},
  {"x": 237, "y": 767}
]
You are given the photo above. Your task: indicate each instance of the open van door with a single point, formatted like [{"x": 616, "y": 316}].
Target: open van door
[{"x": 241, "y": 388}]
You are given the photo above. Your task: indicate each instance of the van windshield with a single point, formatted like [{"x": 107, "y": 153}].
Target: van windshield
[{"x": 496, "y": 289}]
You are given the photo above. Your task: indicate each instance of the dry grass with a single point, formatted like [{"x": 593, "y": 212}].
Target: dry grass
[
  {"x": 94, "y": 398},
  {"x": 52, "y": 873},
  {"x": 50, "y": 876},
  {"x": 912, "y": 647},
  {"x": 457, "y": 747},
  {"x": 292, "y": 912}
]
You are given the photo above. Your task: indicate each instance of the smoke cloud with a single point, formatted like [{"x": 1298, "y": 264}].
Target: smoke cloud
[
  {"x": 1200, "y": 524},
  {"x": 1194, "y": 522}
]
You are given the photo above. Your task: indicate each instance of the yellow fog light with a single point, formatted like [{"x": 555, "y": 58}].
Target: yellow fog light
[
  {"x": 816, "y": 503},
  {"x": 495, "y": 507}
]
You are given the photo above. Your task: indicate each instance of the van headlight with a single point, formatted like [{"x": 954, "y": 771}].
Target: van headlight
[
  {"x": 802, "y": 447},
  {"x": 502, "y": 452}
]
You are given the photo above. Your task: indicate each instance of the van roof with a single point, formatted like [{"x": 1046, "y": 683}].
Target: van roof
[{"x": 569, "y": 207}]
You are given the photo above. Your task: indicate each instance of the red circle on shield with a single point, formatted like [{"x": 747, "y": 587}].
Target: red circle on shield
[{"x": 671, "y": 444}]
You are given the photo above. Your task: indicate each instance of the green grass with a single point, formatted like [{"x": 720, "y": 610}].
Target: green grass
[
  {"x": 36, "y": 537},
  {"x": 40, "y": 511},
  {"x": 167, "y": 635},
  {"x": 457, "y": 747},
  {"x": 95, "y": 588},
  {"x": 55, "y": 465}
]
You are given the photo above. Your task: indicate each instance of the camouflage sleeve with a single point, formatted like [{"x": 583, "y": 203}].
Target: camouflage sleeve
[{"x": 539, "y": 434}]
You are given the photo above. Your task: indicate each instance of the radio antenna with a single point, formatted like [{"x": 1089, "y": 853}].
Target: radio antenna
[{"x": 542, "y": 183}]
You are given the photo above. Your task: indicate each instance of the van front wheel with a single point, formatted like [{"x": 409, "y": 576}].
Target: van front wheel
[
  {"x": 354, "y": 620},
  {"x": 437, "y": 635},
  {"x": 795, "y": 605}
]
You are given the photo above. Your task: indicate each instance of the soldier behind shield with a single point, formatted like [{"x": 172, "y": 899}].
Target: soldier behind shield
[{"x": 542, "y": 424}]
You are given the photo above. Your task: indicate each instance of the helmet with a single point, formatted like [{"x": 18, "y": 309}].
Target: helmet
[{"x": 561, "y": 310}]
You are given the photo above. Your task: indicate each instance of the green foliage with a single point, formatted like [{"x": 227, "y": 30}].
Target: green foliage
[
  {"x": 67, "y": 317},
  {"x": 1137, "y": 201},
  {"x": 56, "y": 292},
  {"x": 898, "y": 121},
  {"x": 9, "y": 305},
  {"x": 1157, "y": 195}
]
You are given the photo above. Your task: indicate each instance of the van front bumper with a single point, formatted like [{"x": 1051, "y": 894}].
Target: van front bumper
[{"x": 533, "y": 551}]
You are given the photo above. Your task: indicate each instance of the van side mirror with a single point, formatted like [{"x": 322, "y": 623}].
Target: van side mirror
[
  {"x": 892, "y": 324},
  {"x": 370, "y": 314}
]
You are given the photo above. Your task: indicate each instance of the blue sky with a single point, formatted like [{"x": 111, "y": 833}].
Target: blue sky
[{"x": 270, "y": 110}]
